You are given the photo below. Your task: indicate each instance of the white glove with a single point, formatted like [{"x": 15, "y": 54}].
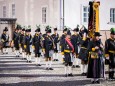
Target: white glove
[
  {"x": 84, "y": 35},
  {"x": 62, "y": 56},
  {"x": 107, "y": 58}
]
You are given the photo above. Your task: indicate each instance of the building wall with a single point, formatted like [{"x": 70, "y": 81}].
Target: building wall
[
  {"x": 73, "y": 13},
  {"x": 29, "y": 12}
]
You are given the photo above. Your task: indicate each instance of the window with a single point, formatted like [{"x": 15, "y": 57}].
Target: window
[
  {"x": 13, "y": 10},
  {"x": 85, "y": 14},
  {"x": 44, "y": 15},
  {"x": 112, "y": 15},
  {"x": 4, "y": 11}
]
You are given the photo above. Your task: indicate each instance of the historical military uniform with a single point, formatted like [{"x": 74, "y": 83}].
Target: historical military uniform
[
  {"x": 37, "y": 43},
  {"x": 44, "y": 35},
  {"x": 28, "y": 44},
  {"x": 95, "y": 64},
  {"x": 55, "y": 37},
  {"x": 16, "y": 40},
  {"x": 110, "y": 54},
  {"x": 5, "y": 40},
  {"x": 22, "y": 41},
  {"x": 76, "y": 42},
  {"x": 68, "y": 51},
  {"x": 48, "y": 46},
  {"x": 47, "y": 28},
  {"x": 62, "y": 38},
  {"x": 83, "y": 54}
]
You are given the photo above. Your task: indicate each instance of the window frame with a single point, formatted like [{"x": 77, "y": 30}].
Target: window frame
[
  {"x": 44, "y": 14},
  {"x": 4, "y": 11},
  {"x": 86, "y": 13},
  {"x": 112, "y": 15},
  {"x": 13, "y": 10}
]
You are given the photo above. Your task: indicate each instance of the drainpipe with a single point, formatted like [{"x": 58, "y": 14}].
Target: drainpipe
[{"x": 63, "y": 13}]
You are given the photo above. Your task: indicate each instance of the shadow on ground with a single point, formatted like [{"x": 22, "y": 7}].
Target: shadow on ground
[{"x": 44, "y": 83}]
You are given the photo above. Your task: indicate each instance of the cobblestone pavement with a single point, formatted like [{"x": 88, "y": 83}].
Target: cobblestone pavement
[{"x": 17, "y": 72}]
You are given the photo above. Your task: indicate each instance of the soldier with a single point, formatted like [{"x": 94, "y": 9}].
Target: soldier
[
  {"x": 83, "y": 54},
  {"x": 45, "y": 34},
  {"x": 110, "y": 53},
  {"x": 28, "y": 44},
  {"x": 22, "y": 38},
  {"x": 55, "y": 37},
  {"x": 16, "y": 40},
  {"x": 68, "y": 50},
  {"x": 5, "y": 40},
  {"x": 20, "y": 33},
  {"x": 76, "y": 42},
  {"x": 37, "y": 39},
  {"x": 48, "y": 50},
  {"x": 62, "y": 38},
  {"x": 95, "y": 49}
]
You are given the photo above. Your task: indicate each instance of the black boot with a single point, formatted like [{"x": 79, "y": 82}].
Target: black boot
[
  {"x": 71, "y": 75},
  {"x": 110, "y": 75},
  {"x": 97, "y": 81}
]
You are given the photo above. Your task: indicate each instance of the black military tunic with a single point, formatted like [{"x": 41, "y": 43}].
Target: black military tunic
[
  {"x": 48, "y": 45},
  {"x": 76, "y": 42},
  {"x": 5, "y": 40},
  {"x": 16, "y": 39},
  {"x": 110, "y": 51},
  {"x": 22, "y": 40},
  {"x": 56, "y": 40},
  {"x": 44, "y": 35},
  {"x": 61, "y": 39},
  {"x": 37, "y": 40},
  {"x": 67, "y": 51},
  {"x": 95, "y": 65},
  {"x": 83, "y": 54},
  {"x": 28, "y": 43}
]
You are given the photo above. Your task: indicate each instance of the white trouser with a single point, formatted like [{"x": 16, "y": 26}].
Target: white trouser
[
  {"x": 48, "y": 64},
  {"x": 76, "y": 61},
  {"x": 68, "y": 69},
  {"x": 17, "y": 52},
  {"x": 55, "y": 56},
  {"x": 84, "y": 68},
  {"x": 5, "y": 50},
  {"x": 20, "y": 50},
  {"x": 37, "y": 60},
  {"x": 23, "y": 55},
  {"x": 28, "y": 57}
]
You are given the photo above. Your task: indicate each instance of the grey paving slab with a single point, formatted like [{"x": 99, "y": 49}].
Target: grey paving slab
[{"x": 17, "y": 72}]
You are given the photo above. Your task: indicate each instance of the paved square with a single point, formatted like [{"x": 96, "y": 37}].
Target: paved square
[{"x": 17, "y": 72}]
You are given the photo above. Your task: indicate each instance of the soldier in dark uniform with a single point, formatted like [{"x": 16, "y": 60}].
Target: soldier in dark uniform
[
  {"x": 76, "y": 42},
  {"x": 68, "y": 51},
  {"x": 61, "y": 39},
  {"x": 5, "y": 40},
  {"x": 28, "y": 44},
  {"x": 95, "y": 68},
  {"x": 20, "y": 33},
  {"x": 110, "y": 53},
  {"x": 37, "y": 40},
  {"x": 22, "y": 38},
  {"x": 16, "y": 40},
  {"x": 83, "y": 54},
  {"x": 45, "y": 34},
  {"x": 48, "y": 50},
  {"x": 55, "y": 37}
]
